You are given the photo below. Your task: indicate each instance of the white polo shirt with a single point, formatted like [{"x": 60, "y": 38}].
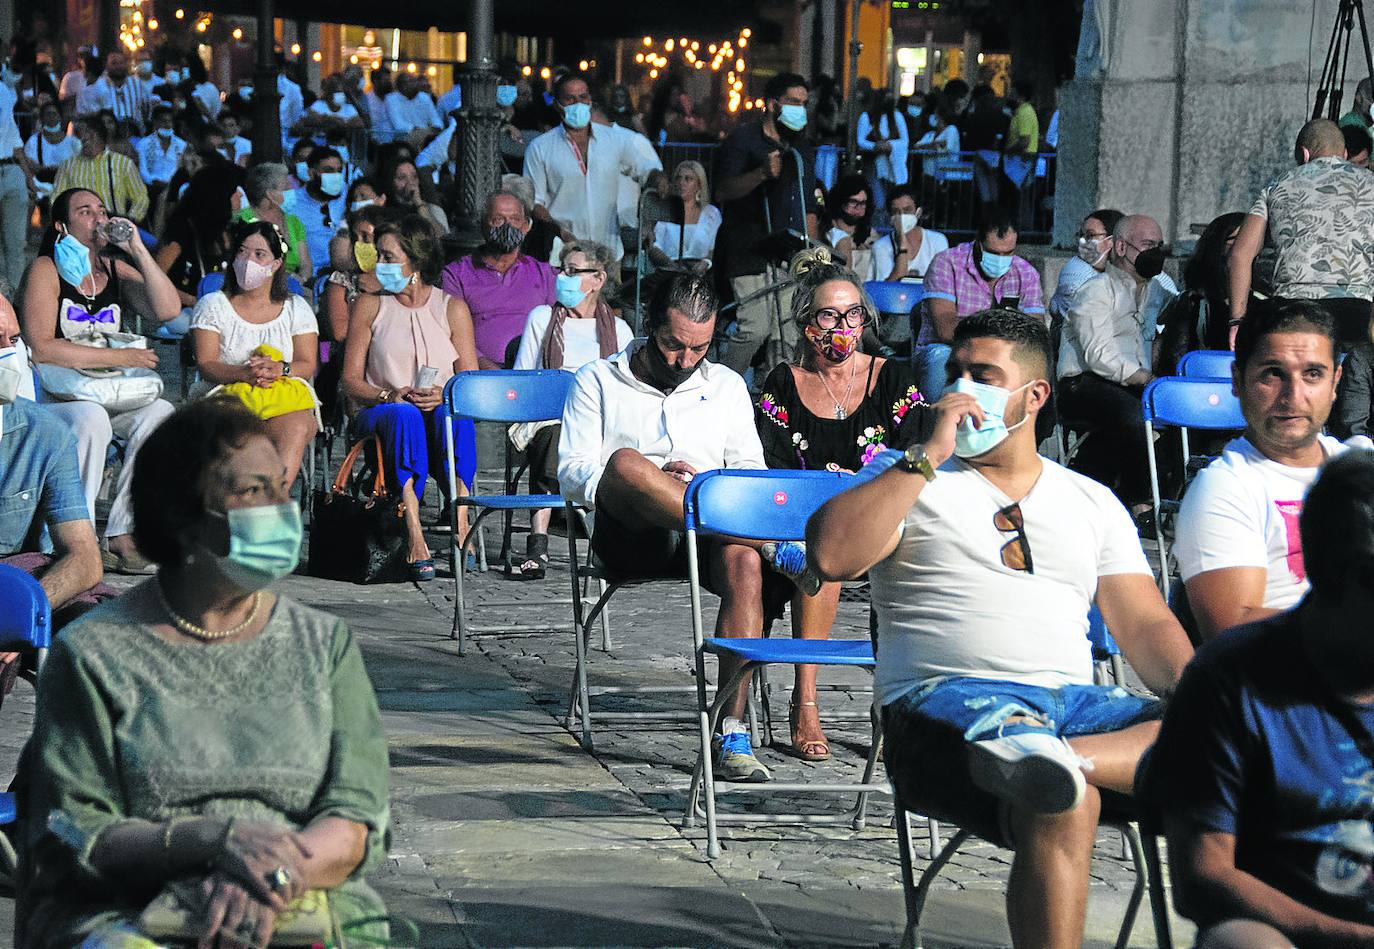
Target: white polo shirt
[{"x": 708, "y": 422}]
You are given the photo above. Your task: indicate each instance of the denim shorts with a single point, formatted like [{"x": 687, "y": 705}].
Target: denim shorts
[{"x": 927, "y": 730}]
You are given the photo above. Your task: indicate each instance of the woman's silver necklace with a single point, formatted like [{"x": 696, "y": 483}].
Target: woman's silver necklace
[{"x": 840, "y": 413}]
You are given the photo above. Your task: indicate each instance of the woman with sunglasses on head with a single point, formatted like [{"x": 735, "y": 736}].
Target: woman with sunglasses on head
[
  {"x": 834, "y": 409},
  {"x": 577, "y": 329}
]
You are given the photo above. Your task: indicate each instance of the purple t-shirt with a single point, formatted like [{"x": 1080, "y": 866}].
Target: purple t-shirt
[{"x": 500, "y": 302}]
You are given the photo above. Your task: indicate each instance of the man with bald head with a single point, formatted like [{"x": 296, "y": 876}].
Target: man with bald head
[
  {"x": 1320, "y": 218},
  {"x": 1104, "y": 361}
]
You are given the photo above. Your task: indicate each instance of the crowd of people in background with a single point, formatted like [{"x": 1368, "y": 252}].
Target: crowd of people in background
[{"x": 326, "y": 292}]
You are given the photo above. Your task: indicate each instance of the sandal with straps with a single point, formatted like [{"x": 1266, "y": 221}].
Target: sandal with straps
[
  {"x": 811, "y": 749},
  {"x": 536, "y": 562}
]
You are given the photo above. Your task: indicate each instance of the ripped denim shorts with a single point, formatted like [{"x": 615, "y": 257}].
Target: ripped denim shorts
[{"x": 926, "y": 731}]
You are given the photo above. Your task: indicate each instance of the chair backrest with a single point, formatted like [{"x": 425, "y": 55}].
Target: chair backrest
[
  {"x": 214, "y": 281},
  {"x": 1192, "y": 403},
  {"x": 508, "y": 395},
  {"x": 894, "y": 296},
  {"x": 1207, "y": 364},
  {"x": 759, "y": 505},
  {"x": 1103, "y": 645},
  {"x": 25, "y": 616}
]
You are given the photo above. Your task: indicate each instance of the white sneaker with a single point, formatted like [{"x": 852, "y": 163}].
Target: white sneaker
[{"x": 1033, "y": 770}]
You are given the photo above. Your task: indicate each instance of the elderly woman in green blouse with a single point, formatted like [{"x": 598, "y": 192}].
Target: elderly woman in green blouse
[{"x": 202, "y": 742}]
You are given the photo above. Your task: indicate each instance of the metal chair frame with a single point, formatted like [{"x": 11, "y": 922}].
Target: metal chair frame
[{"x": 737, "y": 504}]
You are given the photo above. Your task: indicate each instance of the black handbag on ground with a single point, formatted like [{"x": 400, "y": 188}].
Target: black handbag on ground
[{"x": 355, "y": 535}]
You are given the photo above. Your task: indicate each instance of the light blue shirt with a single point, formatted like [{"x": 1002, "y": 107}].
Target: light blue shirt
[{"x": 39, "y": 479}]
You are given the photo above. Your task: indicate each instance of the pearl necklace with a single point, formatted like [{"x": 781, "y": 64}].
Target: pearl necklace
[{"x": 201, "y": 633}]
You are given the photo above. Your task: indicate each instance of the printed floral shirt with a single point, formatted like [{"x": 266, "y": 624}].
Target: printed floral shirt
[{"x": 1321, "y": 220}]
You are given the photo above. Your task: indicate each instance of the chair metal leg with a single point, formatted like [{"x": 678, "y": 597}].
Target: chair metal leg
[
  {"x": 460, "y": 617},
  {"x": 605, "y": 621},
  {"x": 917, "y": 903},
  {"x": 1159, "y": 893},
  {"x": 1131, "y": 835},
  {"x": 875, "y": 747},
  {"x": 705, "y": 769},
  {"x": 903, "y": 824}
]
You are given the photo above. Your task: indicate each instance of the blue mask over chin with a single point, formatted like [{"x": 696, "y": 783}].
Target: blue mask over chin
[
  {"x": 73, "y": 260},
  {"x": 971, "y": 441}
]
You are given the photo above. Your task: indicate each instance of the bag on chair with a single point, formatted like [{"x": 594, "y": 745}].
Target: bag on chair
[
  {"x": 118, "y": 389},
  {"x": 358, "y": 536}
]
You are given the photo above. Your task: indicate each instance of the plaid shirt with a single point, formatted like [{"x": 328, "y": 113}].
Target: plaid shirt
[{"x": 954, "y": 276}]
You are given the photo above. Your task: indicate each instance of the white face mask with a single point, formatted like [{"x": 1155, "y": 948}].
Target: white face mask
[
  {"x": 13, "y": 365},
  {"x": 907, "y": 222},
  {"x": 1088, "y": 250}
]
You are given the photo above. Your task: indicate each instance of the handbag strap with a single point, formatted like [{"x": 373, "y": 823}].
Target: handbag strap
[{"x": 340, "y": 484}]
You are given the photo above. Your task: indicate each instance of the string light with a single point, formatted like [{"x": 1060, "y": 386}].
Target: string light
[
  {"x": 526, "y": 71},
  {"x": 295, "y": 49},
  {"x": 237, "y": 34},
  {"x": 722, "y": 54},
  {"x": 582, "y": 65},
  {"x": 180, "y": 14},
  {"x": 152, "y": 24},
  {"x": 317, "y": 56},
  {"x": 545, "y": 73}
]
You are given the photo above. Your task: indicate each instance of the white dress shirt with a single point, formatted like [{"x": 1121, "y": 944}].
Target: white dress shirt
[
  {"x": 708, "y": 422},
  {"x": 292, "y": 105},
  {"x": 131, "y": 101},
  {"x": 10, "y": 139},
  {"x": 1104, "y": 330},
  {"x": 699, "y": 243},
  {"x": 586, "y": 202},
  {"x": 434, "y": 156},
  {"x": 406, "y": 115},
  {"x": 892, "y": 166},
  {"x": 381, "y": 122},
  {"x": 156, "y": 163}
]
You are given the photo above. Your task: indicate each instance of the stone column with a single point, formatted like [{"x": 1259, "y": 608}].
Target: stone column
[
  {"x": 479, "y": 124},
  {"x": 1185, "y": 109}
]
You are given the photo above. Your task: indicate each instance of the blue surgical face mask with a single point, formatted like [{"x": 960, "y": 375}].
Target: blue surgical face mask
[
  {"x": 505, "y": 96},
  {"x": 245, "y": 92},
  {"x": 264, "y": 545},
  {"x": 73, "y": 260},
  {"x": 164, "y": 133},
  {"x": 994, "y": 265},
  {"x": 332, "y": 183},
  {"x": 288, "y": 199},
  {"x": 569, "y": 290},
  {"x": 970, "y": 441},
  {"x": 53, "y": 129},
  {"x": 390, "y": 277},
  {"x": 793, "y": 117},
  {"x": 302, "y": 171},
  {"x": 361, "y": 203},
  {"x": 577, "y": 115}
]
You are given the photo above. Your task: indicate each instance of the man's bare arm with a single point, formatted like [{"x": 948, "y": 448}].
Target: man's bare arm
[
  {"x": 1146, "y": 629},
  {"x": 1227, "y": 597},
  {"x": 77, "y": 565}
]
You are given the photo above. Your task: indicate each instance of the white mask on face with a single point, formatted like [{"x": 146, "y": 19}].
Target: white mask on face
[
  {"x": 907, "y": 222},
  {"x": 13, "y": 365}
]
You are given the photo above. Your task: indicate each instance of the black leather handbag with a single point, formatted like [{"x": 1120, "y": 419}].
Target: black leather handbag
[{"x": 355, "y": 534}]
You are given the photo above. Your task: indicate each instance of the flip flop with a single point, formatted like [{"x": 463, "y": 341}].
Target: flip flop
[{"x": 422, "y": 571}]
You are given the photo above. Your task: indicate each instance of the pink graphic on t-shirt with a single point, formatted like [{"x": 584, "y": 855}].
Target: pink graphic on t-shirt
[{"x": 1289, "y": 511}]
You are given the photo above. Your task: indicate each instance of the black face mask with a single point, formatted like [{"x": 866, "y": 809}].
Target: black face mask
[
  {"x": 657, "y": 372},
  {"x": 851, "y": 219},
  {"x": 1150, "y": 263},
  {"x": 505, "y": 238}
]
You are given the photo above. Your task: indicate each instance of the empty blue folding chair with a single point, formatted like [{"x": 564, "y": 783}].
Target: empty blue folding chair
[
  {"x": 897, "y": 300},
  {"x": 507, "y": 396},
  {"x": 1175, "y": 402},
  {"x": 1207, "y": 364},
  {"x": 760, "y": 505},
  {"x": 25, "y": 622}
]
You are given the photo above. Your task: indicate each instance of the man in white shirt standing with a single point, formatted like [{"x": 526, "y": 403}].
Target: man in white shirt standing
[
  {"x": 15, "y": 183},
  {"x": 128, "y": 97},
  {"x": 159, "y": 154},
  {"x": 1238, "y": 547},
  {"x": 984, "y": 560},
  {"x": 576, "y": 169},
  {"x": 1104, "y": 362},
  {"x": 636, "y": 428}
]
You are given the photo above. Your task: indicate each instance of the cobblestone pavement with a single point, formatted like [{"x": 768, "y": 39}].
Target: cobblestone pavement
[{"x": 505, "y": 832}]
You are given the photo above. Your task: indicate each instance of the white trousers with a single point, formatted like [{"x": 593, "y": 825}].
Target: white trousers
[{"x": 94, "y": 428}]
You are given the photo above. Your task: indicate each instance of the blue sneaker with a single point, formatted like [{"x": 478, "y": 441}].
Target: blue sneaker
[
  {"x": 789, "y": 559},
  {"x": 735, "y": 760}
]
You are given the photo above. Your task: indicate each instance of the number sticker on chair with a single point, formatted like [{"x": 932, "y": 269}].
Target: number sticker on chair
[
  {"x": 510, "y": 395},
  {"x": 1214, "y": 399},
  {"x": 780, "y": 497}
]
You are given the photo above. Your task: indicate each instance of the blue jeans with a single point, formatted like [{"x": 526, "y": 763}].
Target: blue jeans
[
  {"x": 413, "y": 445},
  {"x": 926, "y": 733},
  {"x": 928, "y": 364}
]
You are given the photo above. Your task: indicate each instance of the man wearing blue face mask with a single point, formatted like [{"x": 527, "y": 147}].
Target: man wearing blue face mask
[
  {"x": 758, "y": 191},
  {"x": 985, "y": 559},
  {"x": 576, "y": 169},
  {"x": 322, "y": 204},
  {"x": 966, "y": 279},
  {"x": 159, "y": 154}
]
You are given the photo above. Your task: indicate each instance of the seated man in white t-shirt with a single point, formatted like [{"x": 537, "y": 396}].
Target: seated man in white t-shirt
[
  {"x": 1237, "y": 541},
  {"x": 636, "y": 428},
  {"x": 985, "y": 559}
]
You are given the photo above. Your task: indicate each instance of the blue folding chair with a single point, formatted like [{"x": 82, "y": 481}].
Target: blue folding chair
[
  {"x": 1176, "y": 402},
  {"x": 760, "y": 505},
  {"x": 1119, "y": 812},
  {"x": 506, "y": 396},
  {"x": 26, "y": 622},
  {"x": 1207, "y": 364},
  {"x": 897, "y": 300}
]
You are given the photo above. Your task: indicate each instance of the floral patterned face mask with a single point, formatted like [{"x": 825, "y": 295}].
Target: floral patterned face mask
[{"x": 836, "y": 344}]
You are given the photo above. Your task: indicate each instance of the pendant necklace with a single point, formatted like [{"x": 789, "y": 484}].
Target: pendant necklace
[{"x": 840, "y": 413}]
